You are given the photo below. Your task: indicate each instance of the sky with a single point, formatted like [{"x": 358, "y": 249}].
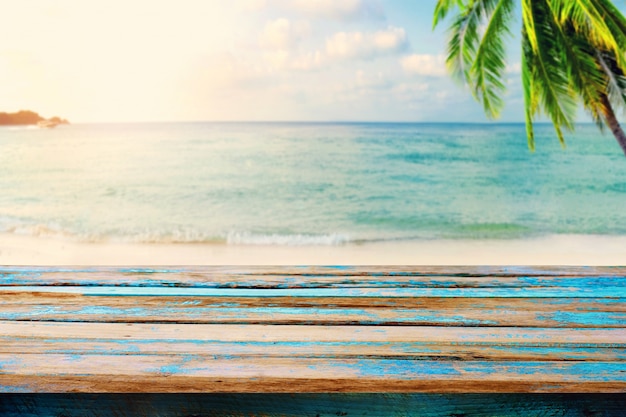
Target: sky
[{"x": 232, "y": 60}]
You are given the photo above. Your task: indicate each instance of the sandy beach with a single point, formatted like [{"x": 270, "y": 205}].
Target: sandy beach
[{"x": 551, "y": 250}]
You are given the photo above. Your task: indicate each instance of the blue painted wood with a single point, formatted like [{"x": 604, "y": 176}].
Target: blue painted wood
[
  {"x": 312, "y": 316},
  {"x": 268, "y": 329},
  {"x": 296, "y": 278},
  {"x": 456, "y": 351},
  {"x": 394, "y": 372},
  {"x": 547, "y": 292}
]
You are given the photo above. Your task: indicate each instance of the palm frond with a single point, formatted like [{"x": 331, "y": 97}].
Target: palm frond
[
  {"x": 573, "y": 51},
  {"x": 476, "y": 49},
  {"x": 443, "y": 8},
  {"x": 550, "y": 78},
  {"x": 463, "y": 41},
  {"x": 528, "y": 26},
  {"x": 579, "y": 58},
  {"x": 530, "y": 97},
  {"x": 489, "y": 63},
  {"x": 615, "y": 21},
  {"x": 615, "y": 78},
  {"x": 591, "y": 19}
]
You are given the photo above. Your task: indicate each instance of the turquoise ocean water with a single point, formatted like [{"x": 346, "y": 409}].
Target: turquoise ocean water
[{"x": 307, "y": 183}]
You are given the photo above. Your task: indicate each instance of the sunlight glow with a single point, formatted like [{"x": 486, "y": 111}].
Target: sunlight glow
[{"x": 114, "y": 60}]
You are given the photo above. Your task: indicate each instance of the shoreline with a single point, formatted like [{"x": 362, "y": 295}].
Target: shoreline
[{"x": 548, "y": 250}]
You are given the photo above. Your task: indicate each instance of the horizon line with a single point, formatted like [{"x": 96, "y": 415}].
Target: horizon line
[{"x": 318, "y": 122}]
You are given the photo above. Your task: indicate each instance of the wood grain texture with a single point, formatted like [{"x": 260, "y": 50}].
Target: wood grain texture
[
  {"x": 313, "y": 329},
  {"x": 328, "y": 311}
]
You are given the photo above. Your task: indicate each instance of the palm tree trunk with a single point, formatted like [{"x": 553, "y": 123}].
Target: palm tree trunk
[{"x": 614, "y": 125}]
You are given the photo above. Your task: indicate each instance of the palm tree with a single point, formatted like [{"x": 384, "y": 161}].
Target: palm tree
[{"x": 572, "y": 53}]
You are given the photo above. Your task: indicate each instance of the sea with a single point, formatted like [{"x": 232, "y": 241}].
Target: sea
[{"x": 307, "y": 184}]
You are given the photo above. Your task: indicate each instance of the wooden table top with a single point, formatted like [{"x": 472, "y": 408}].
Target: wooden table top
[{"x": 313, "y": 329}]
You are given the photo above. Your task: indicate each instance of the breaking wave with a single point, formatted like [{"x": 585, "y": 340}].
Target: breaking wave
[
  {"x": 20, "y": 227},
  {"x": 245, "y": 238}
]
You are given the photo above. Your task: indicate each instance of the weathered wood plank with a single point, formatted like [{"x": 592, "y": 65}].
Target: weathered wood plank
[
  {"x": 207, "y": 280},
  {"x": 314, "y": 277},
  {"x": 351, "y": 270},
  {"x": 292, "y": 310},
  {"x": 119, "y": 373},
  {"x": 294, "y": 333},
  {"x": 452, "y": 351},
  {"x": 545, "y": 292},
  {"x": 435, "y": 303},
  {"x": 183, "y": 384}
]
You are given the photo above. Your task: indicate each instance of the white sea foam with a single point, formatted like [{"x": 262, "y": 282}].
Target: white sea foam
[
  {"x": 23, "y": 228},
  {"x": 548, "y": 250},
  {"x": 245, "y": 238},
  {"x": 19, "y": 227}
]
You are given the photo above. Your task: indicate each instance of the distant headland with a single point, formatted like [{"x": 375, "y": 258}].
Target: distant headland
[{"x": 27, "y": 117}]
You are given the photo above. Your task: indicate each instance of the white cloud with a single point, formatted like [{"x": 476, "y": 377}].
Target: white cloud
[
  {"x": 340, "y": 9},
  {"x": 411, "y": 88},
  {"x": 367, "y": 45},
  {"x": 427, "y": 101},
  {"x": 515, "y": 68},
  {"x": 283, "y": 34},
  {"x": 431, "y": 65},
  {"x": 277, "y": 59},
  {"x": 308, "y": 61},
  {"x": 409, "y": 92},
  {"x": 365, "y": 89},
  {"x": 282, "y": 60},
  {"x": 333, "y": 9},
  {"x": 376, "y": 81},
  {"x": 224, "y": 71},
  {"x": 281, "y": 38}
]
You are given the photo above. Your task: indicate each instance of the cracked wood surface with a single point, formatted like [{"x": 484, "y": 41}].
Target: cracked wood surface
[{"x": 313, "y": 329}]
